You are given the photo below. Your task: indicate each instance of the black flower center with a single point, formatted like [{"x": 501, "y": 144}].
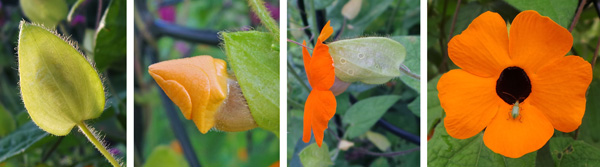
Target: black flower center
[{"x": 513, "y": 84}]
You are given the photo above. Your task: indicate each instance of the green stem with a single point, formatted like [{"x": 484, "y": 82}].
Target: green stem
[
  {"x": 73, "y": 9},
  {"x": 313, "y": 18},
  {"x": 92, "y": 138},
  {"x": 290, "y": 69},
  {"x": 258, "y": 6}
]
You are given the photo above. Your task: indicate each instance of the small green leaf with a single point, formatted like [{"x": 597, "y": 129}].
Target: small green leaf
[
  {"x": 58, "y": 85},
  {"x": 588, "y": 131},
  {"x": 444, "y": 150},
  {"x": 371, "y": 60},
  {"x": 165, "y": 156},
  {"x": 7, "y": 122},
  {"x": 111, "y": 43},
  {"x": 560, "y": 11},
  {"x": 415, "y": 106},
  {"x": 21, "y": 139},
  {"x": 256, "y": 67},
  {"x": 379, "y": 162},
  {"x": 412, "y": 61},
  {"x": 46, "y": 12},
  {"x": 364, "y": 114},
  {"x": 316, "y": 156},
  {"x": 568, "y": 152},
  {"x": 380, "y": 141},
  {"x": 343, "y": 103}
]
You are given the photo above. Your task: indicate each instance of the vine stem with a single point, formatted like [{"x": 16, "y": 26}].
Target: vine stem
[
  {"x": 258, "y": 6},
  {"x": 576, "y": 18},
  {"x": 94, "y": 140}
]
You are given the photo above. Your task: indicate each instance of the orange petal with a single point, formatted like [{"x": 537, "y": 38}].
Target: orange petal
[
  {"x": 321, "y": 71},
  {"x": 558, "y": 90},
  {"x": 536, "y": 40},
  {"x": 319, "y": 109},
  {"x": 516, "y": 137},
  {"x": 196, "y": 84},
  {"x": 305, "y": 58},
  {"x": 482, "y": 49},
  {"x": 325, "y": 32},
  {"x": 470, "y": 102}
]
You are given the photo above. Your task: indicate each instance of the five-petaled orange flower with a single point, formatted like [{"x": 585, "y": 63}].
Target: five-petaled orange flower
[
  {"x": 320, "y": 104},
  {"x": 499, "y": 68}
]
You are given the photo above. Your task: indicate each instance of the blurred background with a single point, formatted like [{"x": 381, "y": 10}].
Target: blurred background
[
  {"x": 390, "y": 139},
  {"x": 173, "y": 29},
  {"x": 22, "y": 143}
]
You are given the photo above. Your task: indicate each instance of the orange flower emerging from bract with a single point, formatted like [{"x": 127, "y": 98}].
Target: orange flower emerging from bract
[
  {"x": 518, "y": 86},
  {"x": 198, "y": 85},
  {"x": 320, "y": 104}
]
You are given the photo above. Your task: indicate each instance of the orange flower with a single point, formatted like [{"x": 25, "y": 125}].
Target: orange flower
[
  {"x": 518, "y": 86},
  {"x": 320, "y": 104},
  {"x": 198, "y": 85}
]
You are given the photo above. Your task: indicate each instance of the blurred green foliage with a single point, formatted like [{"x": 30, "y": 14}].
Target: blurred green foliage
[
  {"x": 396, "y": 19},
  {"x": 27, "y": 145}
]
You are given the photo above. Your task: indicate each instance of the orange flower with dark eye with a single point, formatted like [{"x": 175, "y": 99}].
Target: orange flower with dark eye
[
  {"x": 320, "y": 104},
  {"x": 517, "y": 85},
  {"x": 197, "y": 85}
]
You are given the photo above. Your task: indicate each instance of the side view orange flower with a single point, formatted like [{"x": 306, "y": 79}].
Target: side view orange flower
[
  {"x": 320, "y": 104},
  {"x": 518, "y": 85},
  {"x": 197, "y": 85}
]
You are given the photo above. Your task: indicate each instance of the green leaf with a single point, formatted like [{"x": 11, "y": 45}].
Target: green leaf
[
  {"x": 111, "y": 43},
  {"x": 322, "y": 4},
  {"x": 412, "y": 61},
  {"x": 165, "y": 156},
  {"x": 568, "y": 152},
  {"x": 415, "y": 106},
  {"x": 380, "y": 141},
  {"x": 444, "y": 150},
  {"x": 371, "y": 60},
  {"x": 560, "y": 11},
  {"x": 343, "y": 103},
  {"x": 46, "y": 12},
  {"x": 379, "y": 162},
  {"x": 588, "y": 131},
  {"x": 7, "y": 122},
  {"x": 21, "y": 139},
  {"x": 364, "y": 114},
  {"x": 58, "y": 85},
  {"x": 316, "y": 156},
  {"x": 256, "y": 67},
  {"x": 369, "y": 12},
  {"x": 434, "y": 108}
]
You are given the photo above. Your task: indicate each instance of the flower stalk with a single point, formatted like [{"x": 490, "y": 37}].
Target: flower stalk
[{"x": 94, "y": 140}]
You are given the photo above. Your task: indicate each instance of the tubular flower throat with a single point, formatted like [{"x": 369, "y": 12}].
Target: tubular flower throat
[
  {"x": 518, "y": 86},
  {"x": 197, "y": 85},
  {"x": 320, "y": 104}
]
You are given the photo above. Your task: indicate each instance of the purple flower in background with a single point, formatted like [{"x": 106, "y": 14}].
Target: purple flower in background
[
  {"x": 167, "y": 13},
  {"x": 78, "y": 19},
  {"x": 114, "y": 151},
  {"x": 274, "y": 13}
]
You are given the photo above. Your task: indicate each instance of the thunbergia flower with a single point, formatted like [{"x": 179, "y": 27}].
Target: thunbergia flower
[
  {"x": 320, "y": 104},
  {"x": 518, "y": 85}
]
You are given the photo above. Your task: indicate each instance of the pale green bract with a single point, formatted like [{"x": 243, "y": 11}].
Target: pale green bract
[
  {"x": 46, "y": 12},
  {"x": 371, "y": 60},
  {"x": 59, "y": 87}
]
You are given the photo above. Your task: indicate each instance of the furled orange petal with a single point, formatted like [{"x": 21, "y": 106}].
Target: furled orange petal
[
  {"x": 321, "y": 72},
  {"x": 470, "y": 102},
  {"x": 197, "y": 85},
  {"x": 482, "y": 49},
  {"x": 536, "y": 40},
  {"x": 516, "y": 137},
  {"x": 319, "y": 109},
  {"x": 558, "y": 89},
  {"x": 325, "y": 32}
]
